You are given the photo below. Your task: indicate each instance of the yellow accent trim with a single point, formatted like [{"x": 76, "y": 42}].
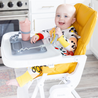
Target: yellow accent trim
[
  {"x": 63, "y": 41},
  {"x": 51, "y": 31},
  {"x": 37, "y": 68},
  {"x": 70, "y": 27},
  {"x": 23, "y": 79},
  {"x": 60, "y": 68},
  {"x": 53, "y": 36},
  {"x": 72, "y": 31},
  {"x": 37, "y": 35}
]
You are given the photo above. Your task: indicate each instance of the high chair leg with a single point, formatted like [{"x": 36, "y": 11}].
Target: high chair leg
[
  {"x": 35, "y": 92},
  {"x": 39, "y": 87},
  {"x": 75, "y": 94},
  {"x": 22, "y": 92}
]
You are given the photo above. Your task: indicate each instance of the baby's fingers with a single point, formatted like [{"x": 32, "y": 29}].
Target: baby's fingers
[
  {"x": 35, "y": 40},
  {"x": 32, "y": 40}
]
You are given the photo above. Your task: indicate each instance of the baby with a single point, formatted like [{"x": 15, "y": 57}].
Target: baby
[{"x": 66, "y": 42}]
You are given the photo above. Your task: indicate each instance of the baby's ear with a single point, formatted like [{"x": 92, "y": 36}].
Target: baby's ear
[{"x": 74, "y": 19}]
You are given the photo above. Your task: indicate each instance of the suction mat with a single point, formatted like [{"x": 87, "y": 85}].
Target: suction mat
[{"x": 25, "y": 47}]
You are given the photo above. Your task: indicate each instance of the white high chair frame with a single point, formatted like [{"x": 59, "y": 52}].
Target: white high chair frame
[{"x": 66, "y": 90}]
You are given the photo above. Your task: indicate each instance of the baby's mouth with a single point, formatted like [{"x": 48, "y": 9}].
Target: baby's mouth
[{"x": 61, "y": 23}]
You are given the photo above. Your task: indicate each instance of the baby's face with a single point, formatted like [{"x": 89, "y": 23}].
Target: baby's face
[{"x": 64, "y": 17}]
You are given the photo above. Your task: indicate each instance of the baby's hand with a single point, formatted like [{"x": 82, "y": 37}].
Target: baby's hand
[
  {"x": 58, "y": 32},
  {"x": 12, "y": 82},
  {"x": 34, "y": 39}
]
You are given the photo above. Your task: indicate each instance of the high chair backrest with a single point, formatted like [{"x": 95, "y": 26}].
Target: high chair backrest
[{"x": 85, "y": 22}]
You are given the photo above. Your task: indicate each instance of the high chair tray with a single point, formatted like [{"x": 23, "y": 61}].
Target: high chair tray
[
  {"x": 25, "y": 47},
  {"x": 27, "y": 60}
]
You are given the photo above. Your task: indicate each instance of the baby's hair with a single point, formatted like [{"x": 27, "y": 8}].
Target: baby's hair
[{"x": 73, "y": 8}]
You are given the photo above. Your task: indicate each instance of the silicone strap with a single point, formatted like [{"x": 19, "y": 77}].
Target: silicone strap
[
  {"x": 25, "y": 32},
  {"x": 56, "y": 37}
]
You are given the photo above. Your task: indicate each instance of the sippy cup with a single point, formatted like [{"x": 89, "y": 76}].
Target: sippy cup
[{"x": 25, "y": 29}]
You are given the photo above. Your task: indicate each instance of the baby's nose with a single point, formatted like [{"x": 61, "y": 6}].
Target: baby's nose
[{"x": 61, "y": 18}]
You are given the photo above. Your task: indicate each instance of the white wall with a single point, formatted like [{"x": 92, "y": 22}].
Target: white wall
[{"x": 88, "y": 3}]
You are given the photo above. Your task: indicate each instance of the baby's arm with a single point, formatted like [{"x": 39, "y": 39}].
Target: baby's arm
[
  {"x": 61, "y": 38},
  {"x": 38, "y": 36},
  {"x": 68, "y": 43}
]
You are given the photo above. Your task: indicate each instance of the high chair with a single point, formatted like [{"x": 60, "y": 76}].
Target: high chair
[{"x": 85, "y": 23}]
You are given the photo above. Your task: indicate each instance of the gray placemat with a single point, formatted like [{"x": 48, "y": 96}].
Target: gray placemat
[{"x": 27, "y": 47}]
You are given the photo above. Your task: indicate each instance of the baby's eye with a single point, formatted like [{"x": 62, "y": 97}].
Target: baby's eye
[
  {"x": 66, "y": 16},
  {"x": 58, "y": 15}
]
